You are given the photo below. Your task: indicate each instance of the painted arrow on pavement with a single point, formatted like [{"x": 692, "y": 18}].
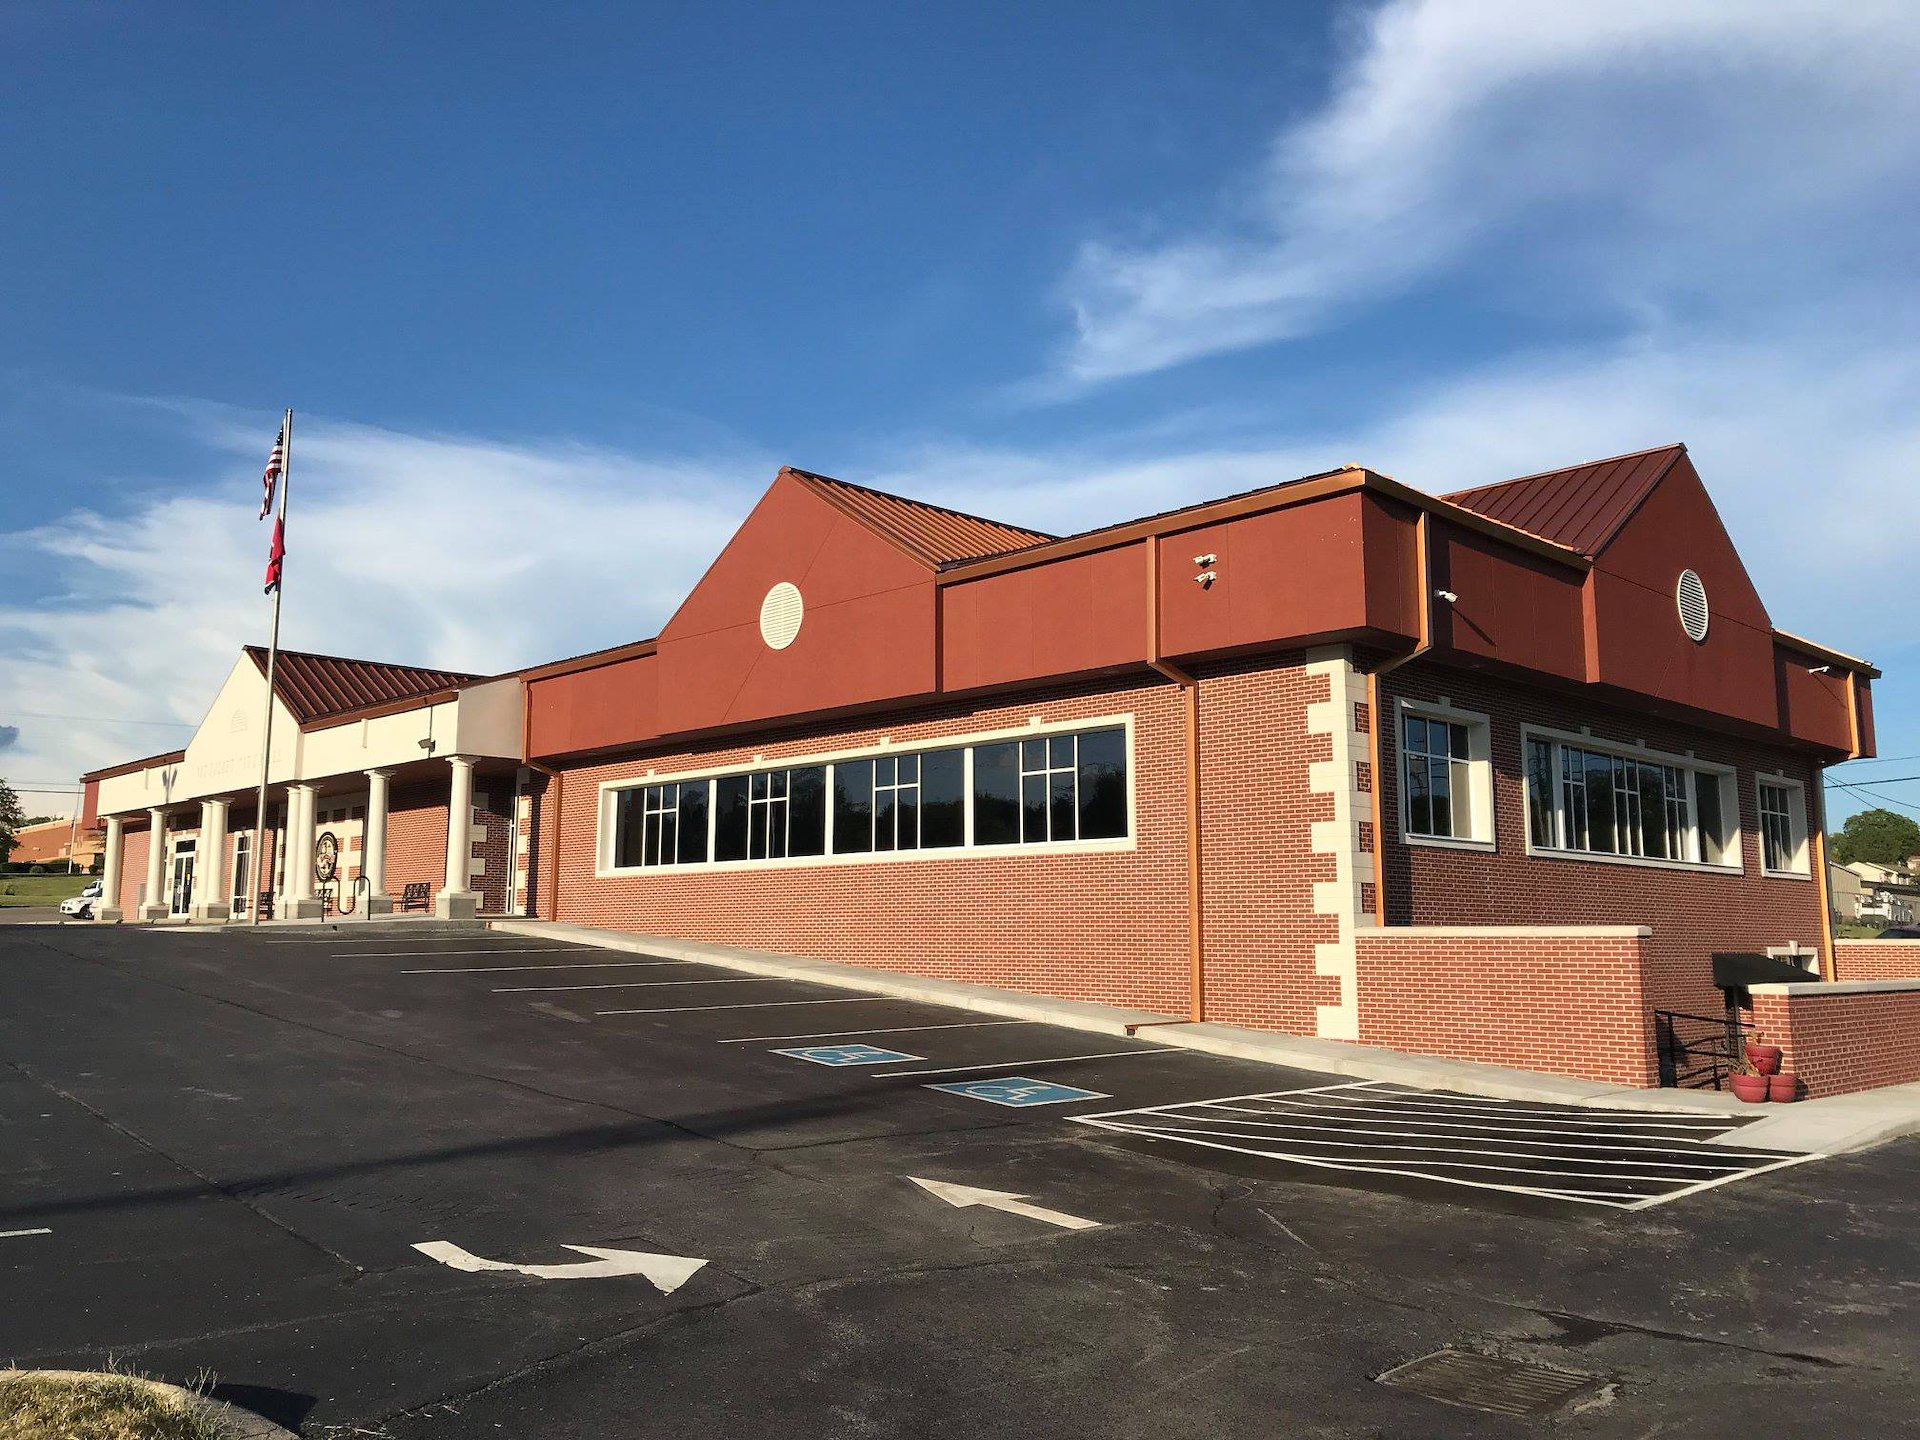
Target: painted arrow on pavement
[
  {"x": 666, "y": 1273},
  {"x": 962, "y": 1196}
]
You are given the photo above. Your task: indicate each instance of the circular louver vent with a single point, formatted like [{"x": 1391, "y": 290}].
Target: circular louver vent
[
  {"x": 780, "y": 616},
  {"x": 1691, "y": 596}
]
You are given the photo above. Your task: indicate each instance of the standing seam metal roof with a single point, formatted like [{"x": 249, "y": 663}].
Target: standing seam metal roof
[
  {"x": 316, "y": 686},
  {"x": 931, "y": 533},
  {"x": 1581, "y": 507}
]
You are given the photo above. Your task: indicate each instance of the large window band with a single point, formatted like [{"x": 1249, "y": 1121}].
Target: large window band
[{"x": 1047, "y": 789}]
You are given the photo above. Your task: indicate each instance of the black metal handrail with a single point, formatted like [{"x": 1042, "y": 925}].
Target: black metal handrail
[{"x": 1697, "y": 1052}]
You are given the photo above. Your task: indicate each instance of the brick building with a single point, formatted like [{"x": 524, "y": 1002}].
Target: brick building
[{"x": 1488, "y": 775}]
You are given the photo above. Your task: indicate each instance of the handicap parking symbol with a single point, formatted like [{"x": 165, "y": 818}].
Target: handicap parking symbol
[
  {"x": 1018, "y": 1091},
  {"x": 847, "y": 1055}
]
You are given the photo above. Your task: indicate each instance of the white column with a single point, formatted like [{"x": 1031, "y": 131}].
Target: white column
[
  {"x": 458, "y": 901},
  {"x": 155, "y": 906},
  {"x": 373, "y": 844},
  {"x": 210, "y": 864},
  {"x": 109, "y": 906},
  {"x": 301, "y": 902}
]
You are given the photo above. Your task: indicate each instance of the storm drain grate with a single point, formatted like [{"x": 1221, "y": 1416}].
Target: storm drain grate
[{"x": 1481, "y": 1382}]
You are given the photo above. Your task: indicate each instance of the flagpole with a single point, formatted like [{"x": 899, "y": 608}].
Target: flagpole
[{"x": 273, "y": 659}]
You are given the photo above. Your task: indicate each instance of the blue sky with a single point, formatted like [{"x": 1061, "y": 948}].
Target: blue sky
[{"x": 555, "y": 289}]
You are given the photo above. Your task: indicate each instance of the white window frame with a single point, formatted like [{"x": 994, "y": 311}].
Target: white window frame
[
  {"x": 1802, "y": 866},
  {"x": 605, "y": 869},
  {"x": 1485, "y": 826},
  {"x": 1695, "y": 769}
]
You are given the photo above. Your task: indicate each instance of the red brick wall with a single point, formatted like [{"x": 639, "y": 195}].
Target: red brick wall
[
  {"x": 1108, "y": 927},
  {"x": 133, "y": 870},
  {"x": 1257, "y": 862},
  {"x": 1564, "y": 1004},
  {"x": 1843, "y": 1040},
  {"x": 1692, "y": 913},
  {"x": 417, "y": 837},
  {"x": 1877, "y": 959}
]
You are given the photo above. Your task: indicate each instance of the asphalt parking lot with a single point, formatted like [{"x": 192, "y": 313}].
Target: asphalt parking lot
[{"x": 407, "y": 1180}]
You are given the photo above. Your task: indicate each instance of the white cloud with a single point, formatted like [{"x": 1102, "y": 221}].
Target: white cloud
[
  {"x": 1624, "y": 159},
  {"x": 462, "y": 553}
]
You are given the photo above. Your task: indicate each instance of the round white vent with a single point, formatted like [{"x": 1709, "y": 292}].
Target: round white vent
[
  {"x": 780, "y": 615},
  {"x": 1691, "y": 596}
]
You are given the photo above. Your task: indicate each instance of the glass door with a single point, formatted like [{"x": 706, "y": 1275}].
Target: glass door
[
  {"x": 242, "y": 864},
  {"x": 182, "y": 896}
]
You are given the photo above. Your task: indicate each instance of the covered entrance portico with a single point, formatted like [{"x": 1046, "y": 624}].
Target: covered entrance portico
[{"x": 369, "y": 805}]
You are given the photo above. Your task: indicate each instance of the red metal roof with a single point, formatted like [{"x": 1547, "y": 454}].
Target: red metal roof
[
  {"x": 1581, "y": 507},
  {"x": 930, "y": 533},
  {"x": 317, "y": 686}
]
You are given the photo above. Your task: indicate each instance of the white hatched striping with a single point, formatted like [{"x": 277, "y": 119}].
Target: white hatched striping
[
  {"x": 1493, "y": 1105},
  {"x": 563, "y": 965},
  {"x": 1366, "y": 1127},
  {"x": 1017, "y": 1066},
  {"x": 752, "y": 1005}
]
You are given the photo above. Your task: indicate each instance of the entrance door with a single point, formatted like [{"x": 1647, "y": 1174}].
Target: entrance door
[
  {"x": 242, "y": 870},
  {"x": 182, "y": 898}
]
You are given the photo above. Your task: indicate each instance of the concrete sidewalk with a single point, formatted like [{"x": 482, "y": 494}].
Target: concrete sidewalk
[{"x": 1831, "y": 1126}]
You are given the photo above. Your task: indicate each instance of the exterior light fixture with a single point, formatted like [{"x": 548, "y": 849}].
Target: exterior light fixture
[{"x": 1446, "y": 595}]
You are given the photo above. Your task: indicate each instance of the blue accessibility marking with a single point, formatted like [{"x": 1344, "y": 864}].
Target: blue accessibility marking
[
  {"x": 1018, "y": 1091},
  {"x": 848, "y": 1055}
]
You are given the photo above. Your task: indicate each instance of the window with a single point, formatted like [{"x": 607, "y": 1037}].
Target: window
[
  {"x": 1446, "y": 776},
  {"x": 1783, "y": 827},
  {"x": 1637, "y": 806},
  {"x": 1038, "y": 789}
]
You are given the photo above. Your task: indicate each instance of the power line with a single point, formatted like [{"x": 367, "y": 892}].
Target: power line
[
  {"x": 1883, "y": 799},
  {"x": 1879, "y": 780}
]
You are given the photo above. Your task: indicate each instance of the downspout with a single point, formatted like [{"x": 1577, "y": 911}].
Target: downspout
[
  {"x": 558, "y": 782},
  {"x": 1190, "y": 688},
  {"x": 1423, "y": 565},
  {"x": 1818, "y": 825}
]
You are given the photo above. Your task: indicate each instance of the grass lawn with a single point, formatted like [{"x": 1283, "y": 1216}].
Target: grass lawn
[
  {"x": 40, "y": 889},
  {"x": 105, "y": 1407}
]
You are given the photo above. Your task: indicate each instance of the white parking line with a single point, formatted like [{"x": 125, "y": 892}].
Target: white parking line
[
  {"x": 1593, "y": 1129},
  {"x": 430, "y": 954},
  {"x": 1017, "y": 1065},
  {"x": 892, "y": 1030},
  {"x": 15, "y": 1234},
  {"x": 1565, "y": 1125},
  {"x": 755, "y": 1005},
  {"x": 640, "y": 984},
  {"x": 1318, "y": 1125},
  {"x": 502, "y": 969}
]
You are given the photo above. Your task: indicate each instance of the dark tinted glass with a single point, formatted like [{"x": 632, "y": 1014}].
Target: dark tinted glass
[
  {"x": 629, "y": 808},
  {"x": 853, "y": 807},
  {"x": 730, "y": 818},
  {"x": 996, "y": 794},
  {"x": 1103, "y": 785},
  {"x": 807, "y": 818},
  {"x": 693, "y": 823},
  {"x": 1713, "y": 833},
  {"x": 943, "y": 809},
  {"x": 1540, "y": 791},
  {"x": 885, "y": 805},
  {"x": 1063, "y": 805},
  {"x": 1419, "y": 801},
  {"x": 1599, "y": 801},
  {"x": 1033, "y": 807}
]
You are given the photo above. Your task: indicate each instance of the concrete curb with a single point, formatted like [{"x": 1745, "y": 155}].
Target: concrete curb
[
  {"x": 244, "y": 1424},
  {"x": 1825, "y": 1127}
]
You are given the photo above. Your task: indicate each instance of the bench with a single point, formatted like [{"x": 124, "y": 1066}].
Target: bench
[{"x": 418, "y": 896}]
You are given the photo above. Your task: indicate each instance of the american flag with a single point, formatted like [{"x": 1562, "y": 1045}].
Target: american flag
[{"x": 276, "y": 462}]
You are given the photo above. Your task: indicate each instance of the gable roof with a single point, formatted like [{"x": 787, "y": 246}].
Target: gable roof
[
  {"x": 932, "y": 534},
  {"x": 317, "y": 686},
  {"x": 1582, "y": 506}
]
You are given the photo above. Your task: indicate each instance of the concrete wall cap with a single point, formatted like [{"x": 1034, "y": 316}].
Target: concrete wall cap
[
  {"x": 1506, "y": 932},
  {"x": 1817, "y": 989}
]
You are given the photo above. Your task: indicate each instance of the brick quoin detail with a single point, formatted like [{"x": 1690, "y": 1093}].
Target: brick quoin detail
[
  {"x": 1363, "y": 777},
  {"x": 1367, "y": 838},
  {"x": 1362, "y": 717}
]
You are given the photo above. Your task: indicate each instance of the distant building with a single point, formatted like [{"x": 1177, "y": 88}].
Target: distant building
[
  {"x": 1889, "y": 894},
  {"x": 49, "y": 844}
]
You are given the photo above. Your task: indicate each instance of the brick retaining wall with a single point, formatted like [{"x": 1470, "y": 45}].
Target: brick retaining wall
[{"x": 1843, "y": 1037}]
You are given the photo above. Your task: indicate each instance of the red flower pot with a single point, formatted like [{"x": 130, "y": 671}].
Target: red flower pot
[
  {"x": 1750, "y": 1088},
  {"x": 1783, "y": 1087},
  {"x": 1764, "y": 1058}
]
